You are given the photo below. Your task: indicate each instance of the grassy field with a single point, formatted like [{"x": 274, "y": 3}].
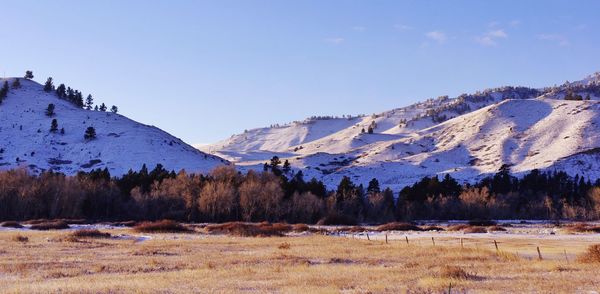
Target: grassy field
[{"x": 55, "y": 261}]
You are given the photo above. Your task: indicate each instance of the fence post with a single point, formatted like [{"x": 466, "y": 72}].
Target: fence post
[
  {"x": 496, "y": 244},
  {"x": 368, "y": 239},
  {"x": 461, "y": 243},
  {"x": 386, "y": 239},
  {"x": 433, "y": 241},
  {"x": 539, "y": 253},
  {"x": 406, "y": 239}
]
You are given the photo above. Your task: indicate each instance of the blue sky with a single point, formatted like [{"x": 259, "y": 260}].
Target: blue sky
[{"x": 203, "y": 70}]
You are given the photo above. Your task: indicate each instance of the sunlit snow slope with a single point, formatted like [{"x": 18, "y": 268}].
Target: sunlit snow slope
[
  {"x": 121, "y": 143},
  {"x": 469, "y": 136}
]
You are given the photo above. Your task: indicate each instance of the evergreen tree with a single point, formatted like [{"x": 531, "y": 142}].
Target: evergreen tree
[
  {"x": 89, "y": 102},
  {"x": 16, "y": 84},
  {"x": 3, "y": 91},
  {"x": 50, "y": 110},
  {"x": 61, "y": 91},
  {"x": 114, "y": 109},
  {"x": 286, "y": 167},
  {"x": 102, "y": 107},
  {"x": 275, "y": 162},
  {"x": 28, "y": 75},
  {"x": 96, "y": 108},
  {"x": 54, "y": 126},
  {"x": 90, "y": 133},
  {"x": 78, "y": 99},
  {"x": 373, "y": 186},
  {"x": 49, "y": 85}
]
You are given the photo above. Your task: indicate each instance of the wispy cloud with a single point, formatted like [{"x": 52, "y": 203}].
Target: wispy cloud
[
  {"x": 334, "y": 40},
  {"x": 402, "y": 27},
  {"x": 493, "y": 24},
  {"x": 437, "y": 36},
  {"x": 514, "y": 23},
  {"x": 555, "y": 38},
  {"x": 491, "y": 37},
  {"x": 359, "y": 28}
]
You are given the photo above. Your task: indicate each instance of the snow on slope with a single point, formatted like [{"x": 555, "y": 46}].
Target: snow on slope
[
  {"x": 470, "y": 136},
  {"x": 338, "y": 135},
  {"x": 121, "y": 144}
]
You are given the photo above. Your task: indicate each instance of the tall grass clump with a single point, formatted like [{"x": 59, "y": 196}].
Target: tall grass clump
[
  {"x": 592, "y": 255},
  {"x": 50, "y": 225},
  {"x": 163, "y": 226},
  {"x": 11, "y": 224},
  {"x": 90, "y": 233}
]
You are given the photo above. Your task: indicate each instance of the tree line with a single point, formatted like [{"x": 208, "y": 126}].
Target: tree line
[{"x": 228, "y": 195}]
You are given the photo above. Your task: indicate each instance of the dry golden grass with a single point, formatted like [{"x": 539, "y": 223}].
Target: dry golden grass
[
  {"x": 184, "y": 263},
  {"x": 20, "y": 238},
  {"x": 475, "y": 230}
]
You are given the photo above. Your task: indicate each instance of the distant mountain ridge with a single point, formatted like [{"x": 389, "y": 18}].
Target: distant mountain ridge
[
  {"x": 121, "y": 144},
  {"x": 468, "y": 136}
]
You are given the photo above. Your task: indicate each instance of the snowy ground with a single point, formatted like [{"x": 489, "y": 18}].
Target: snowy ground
[{"x": 121, "y": 143}]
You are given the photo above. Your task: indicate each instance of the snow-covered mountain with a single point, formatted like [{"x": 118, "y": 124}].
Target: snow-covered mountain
[
  {"x": 121, "y": 143},
  {"x": 468, "y": 136}
]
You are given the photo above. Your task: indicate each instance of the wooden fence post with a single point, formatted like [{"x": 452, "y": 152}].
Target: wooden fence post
[
  {"x": 433, "y": 241},
  {"x": 496, "y": 244},
  {"x": 386, "y": 239},
  {"x": 461, "y": 243},
  {"x": 406, "y": 239},
  {"x": 368, "y": 239},
  {"x": 539, "y": 253}
]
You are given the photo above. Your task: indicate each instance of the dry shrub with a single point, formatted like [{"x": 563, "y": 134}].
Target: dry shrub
[
  {"x": 249, "y": 229},
  {"x": 583, "y": 228},
  {"x": 432, "y": 228},
  {"x": 36, "y": 221},
  {"x": 398, "y": 227},
  {"x": 352, "y": 229},
  {"x": 591, "y": 255},
  {"x": 496, "y": 229},
  {"x": 458, "y": 227},
  {"x": 454, "y": 272},
  {"x": 163, "y": 226},
  {"x": 475, "y": 230},
  {"x": 279, "y": 227},
  {"x": 337, "y": 220},
  {"x": 300, "y": 227},
  {"x": 482, "y": 222},
  {"x": 284, "y": 246},
  {"x": 76, "y": 221},
  {"x": 90, "y": 233},
  {"x": 50, "y": 225},
  {"x": 20, "y": 238},
  {"x": 11, "y": 224}
]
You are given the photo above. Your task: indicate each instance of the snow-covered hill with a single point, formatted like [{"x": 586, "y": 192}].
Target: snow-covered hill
[
  {"x": 469, "y": 136},
  {"x": 121, "y": 144}
]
